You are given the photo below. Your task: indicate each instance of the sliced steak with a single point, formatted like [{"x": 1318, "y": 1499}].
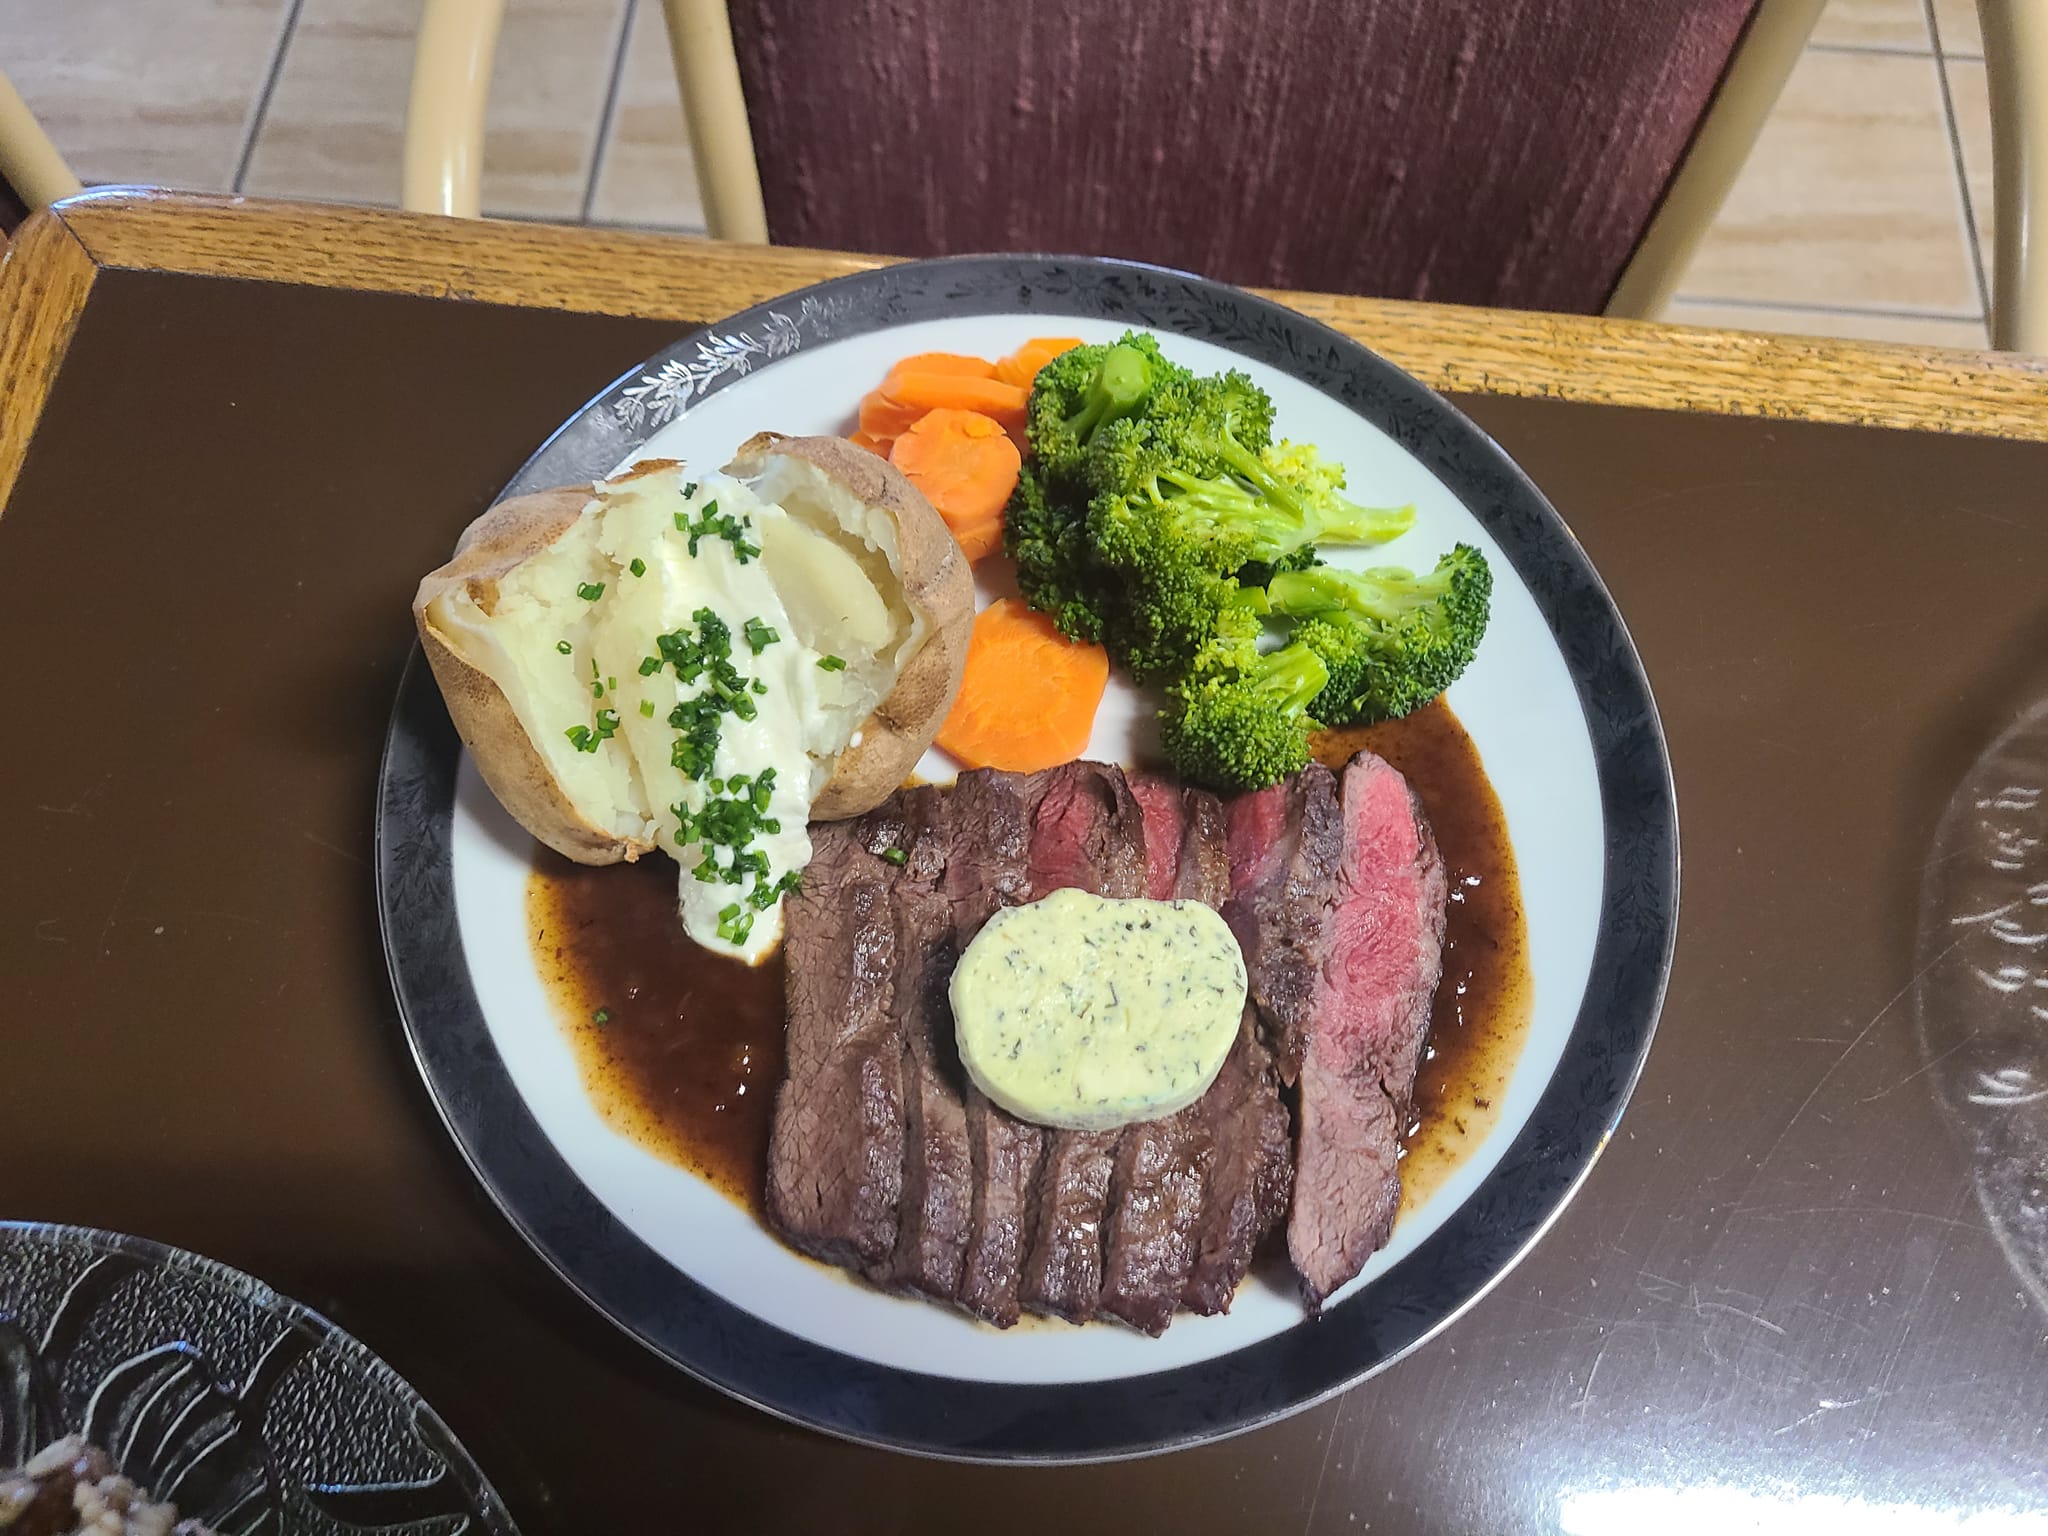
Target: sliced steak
[
  {"x": 938, "y": 1173},
  {"x": 1160, "y": 800},
  {"x": 1087, "y": 832},
  {"x": 1247, "y": 1175},
  {"x": 1163, "y": 1165},
  {"x": 1371, "y": 1014},
  {"x": 987, "y": 867},
  {"x": 1285, "y": 846},
  {"x": 835, "y": 1152}
]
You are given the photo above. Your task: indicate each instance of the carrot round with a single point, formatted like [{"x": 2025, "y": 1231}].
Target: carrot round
[
  {"x": 921, "y": 392},
  {"x": 1028, "y": 698},
  {"x": 885, "y": 418},
  {"x": 966, "y": 466},
  {"x": 979, "y": 540},
  {"x": 1022, "y": 365},
  {"x": 954, "y": 363}
]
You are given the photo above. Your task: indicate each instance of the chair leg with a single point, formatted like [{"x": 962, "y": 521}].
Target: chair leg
[
  {"x": 444, "y": 119},
  {"x": 29, "y": 162},
  {"x": 1755, "y": 76},
  {"x": 2016, "y": 70},
  {"x": 715, "y": 112}
]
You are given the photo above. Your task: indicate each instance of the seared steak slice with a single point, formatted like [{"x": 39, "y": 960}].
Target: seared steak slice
[
  {"x": 1371, "y": 1014},
  {"x": 1162, "y": 1165},
  {"x": 1285, "y": 845},
  {"x": 1244, "y": 1192},
  {"x": 1087, "y": 832},
  {"x": 938, "y": 1195},
  {"x": 988, "y": 866},
  {"x": 835, "y": 1152},
  {"x": 1160, "y": 800}
]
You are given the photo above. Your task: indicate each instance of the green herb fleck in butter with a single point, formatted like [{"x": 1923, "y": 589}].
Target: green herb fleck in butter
[{"x": 1086, "y": 1012}]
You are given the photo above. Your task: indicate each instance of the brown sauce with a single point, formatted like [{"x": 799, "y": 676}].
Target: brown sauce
[
  {"x": 1483, "y": 1002},
  {"x": 681, "y": 1049},
  {"x": 688, "y": 1053}
]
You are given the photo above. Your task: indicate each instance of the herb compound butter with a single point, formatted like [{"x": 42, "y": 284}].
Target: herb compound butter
[{"x": 1087, "y": 1012}]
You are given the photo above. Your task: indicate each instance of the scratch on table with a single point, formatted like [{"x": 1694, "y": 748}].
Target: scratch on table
[
  {"x": 1861, "y": 1035},
  {"x": 107, "y": 929},
  {"x": 1931, "y": 1062},
  {"x": 347, "y": 853},
  {"x": 233, "y": 917},
  {"x": 1586, "y": 1393},
  {"x": 1329, "y": 1445},
  {"x": 1701, "y": 1308},
  {"x": 1827, "y": 1405},
  {"x": 50, "y": 938}
]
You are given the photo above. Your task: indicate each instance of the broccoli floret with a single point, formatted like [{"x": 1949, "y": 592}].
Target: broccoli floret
[
  {"x": 1241, "y": 720},
  {"x": 1047, "y": 537},
  {"x": 1317, "y": 480},
  {"x": 1083, "y": 390},
  {"x": 1392, "y": 640},
  {"x": 1163, "y": 621},
  {"x": 1196, "y": 468}
]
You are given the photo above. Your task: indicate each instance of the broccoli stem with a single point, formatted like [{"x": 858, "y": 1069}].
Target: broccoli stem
[
  {"x": 1364, "y": 525},
  {"x": 1118, "y": 388},
  {"x": 1228, "y": 508},
  {"x": 1384, "y": 594},
  {"x": 1291, "y": 677}
]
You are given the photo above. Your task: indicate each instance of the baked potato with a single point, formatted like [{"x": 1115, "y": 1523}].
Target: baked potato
[{"x": 610, "y": 653}]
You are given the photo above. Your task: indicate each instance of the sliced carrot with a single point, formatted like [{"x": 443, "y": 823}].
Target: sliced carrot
[
  {"x": 873, "y": 445},
  {"x": 1029, "y": 695},
  {"x": 1022, "y": 365},
  {"x": 953, "y": 363},
  {"x": 885, "y": 418},
  {"x": 978, "y": 541},
  {"x": 921, "y": 392},
  {"x": 965, "y": 465}
]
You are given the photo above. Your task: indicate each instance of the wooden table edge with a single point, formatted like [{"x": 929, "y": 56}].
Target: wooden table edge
[{"x": 49, "y": 272}]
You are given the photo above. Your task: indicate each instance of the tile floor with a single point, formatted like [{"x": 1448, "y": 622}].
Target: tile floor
[{"x": 1863, "y": 211}]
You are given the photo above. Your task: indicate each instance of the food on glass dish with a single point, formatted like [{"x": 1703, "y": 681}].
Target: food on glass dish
[
  {"x": 1157, "y": 511},
  {"x": 70, "y": 1486},
  {"x": 882, "y": 1161},
  {"x": 703, "y": 663},
  {"x": 1028, "y": 695},
  {"x": 1089, "y": 1013}
]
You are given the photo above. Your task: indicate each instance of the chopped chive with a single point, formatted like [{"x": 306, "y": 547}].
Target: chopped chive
[
  {"x": 647, "y": 708},
  {"x": 759, "y": 686},
  {"x": 590, "y": 591},
  {"x": 649, "y": 665},
  {"x": 896, "y": 856},
  {"x": 564, "y": 647},
  {"x": 597, "y": 690},
  {"x": 832, "y": 663},
  {"x": 602, "y": 1016},
  {"x": 611, "y": 684},
  {"x": 638, "y": 567},
  {"x": 759, "y": 636}
]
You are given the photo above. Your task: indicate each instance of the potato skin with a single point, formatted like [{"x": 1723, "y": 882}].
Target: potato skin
[
  {"x": 491, "y": 546},
  {"x": 937, "y": 581}
]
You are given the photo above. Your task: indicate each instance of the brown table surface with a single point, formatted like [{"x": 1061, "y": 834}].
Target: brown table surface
[{"x": 241, "y": 433}]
